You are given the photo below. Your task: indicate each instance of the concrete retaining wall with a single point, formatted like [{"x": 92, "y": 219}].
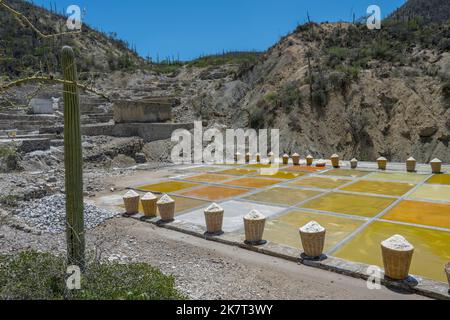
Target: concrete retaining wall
[
  {"x": 147, "y": 131},
  {"x": 143, "y": 111}
]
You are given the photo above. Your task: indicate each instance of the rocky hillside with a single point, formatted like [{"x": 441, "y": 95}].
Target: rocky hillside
[
  {"x": 428, "y": 10},
  {"x": 343, "y": 88},
  {"x": 23, "y": 52},
  {"x": 361, "y": 94}
]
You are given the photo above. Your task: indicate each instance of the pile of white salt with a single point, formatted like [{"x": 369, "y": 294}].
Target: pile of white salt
[
  {"x": 165, "y": 199},
  {"x": 131, "y": 194},
  {"x": 254, "y": 215},
  {"x": 312, "y": 227},
  {"x": 149, "y": 196},
  {"x": 397, "y": 242},
  {"x": 214, "y": 208}
]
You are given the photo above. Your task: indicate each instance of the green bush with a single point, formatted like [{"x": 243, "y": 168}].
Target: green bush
[
  {"x": 32, "y": 275},
  {"x": 290, "y": 96}
]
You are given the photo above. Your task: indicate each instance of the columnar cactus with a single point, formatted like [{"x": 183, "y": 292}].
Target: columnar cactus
[{"x": 73, "y": 161}]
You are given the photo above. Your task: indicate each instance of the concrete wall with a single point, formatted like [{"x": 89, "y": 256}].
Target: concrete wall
[
  {"x": 143, "y": 111},
  {"x": 147, "y": 131}
]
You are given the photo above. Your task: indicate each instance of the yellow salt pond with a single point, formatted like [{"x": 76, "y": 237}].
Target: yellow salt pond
[
  {"x": 319, "y": 182},
  {"x": 398, "y": 176},
  {"x": 439, "y": 179},
  {"x": 380, "y": 187},
  {"x": 283, "y": 196},
  {"x": 285, "y": 229},
  {"x": 432, "y": 249},
  {"x": 358, "y": 205},
  {"x": 252, "y": 182}
]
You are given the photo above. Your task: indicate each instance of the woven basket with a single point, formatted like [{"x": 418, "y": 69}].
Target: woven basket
[
  {"x": 247, "y": 158},
  {"x": 285, "y": 160},
  {"x": 214, "y": 221},
  {"x": 309, "y": 161},
  {"x": 335, "y": 162},
  {"x": 436, "y": 167},
  {"x": 254, "y": 230},
  {"x": 166, "y": 211},
  {"x": 382, "y": 164},
  {"x": 354, "y": 164},
  {"x": 313, "y": 243},
  {"x": 396, "y": 263},
  {"x": 411, "y": 166},
  {"x": 296, "y": 160},
  {"x": 131, "y": 205},
  {"x": 149, "y": 207},
  {"x": 447, "y": 271}
]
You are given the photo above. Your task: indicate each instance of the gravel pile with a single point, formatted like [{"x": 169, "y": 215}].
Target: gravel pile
[{"x": 49, "y": 214}]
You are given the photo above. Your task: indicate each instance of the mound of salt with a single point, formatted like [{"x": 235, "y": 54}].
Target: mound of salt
[
  {"x": 165, "y": 199},
  {"x": 254, "y": 215},
  {"x": 312, "y": 227},
  {"x": 397, "y": 242},
  {"x": 131, "y": 194},
  {"x": 149, "y": 196},
  {"x": 213, "y": 208}
]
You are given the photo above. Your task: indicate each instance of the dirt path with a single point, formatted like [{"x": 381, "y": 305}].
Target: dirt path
[{"x": 204, "y": 269}]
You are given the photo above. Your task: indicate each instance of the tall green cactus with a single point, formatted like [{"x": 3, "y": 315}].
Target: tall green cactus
[{"x": 73, "y": 161}]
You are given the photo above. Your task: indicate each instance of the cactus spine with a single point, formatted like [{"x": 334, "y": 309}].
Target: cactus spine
[{"x": 73, "y": 161}]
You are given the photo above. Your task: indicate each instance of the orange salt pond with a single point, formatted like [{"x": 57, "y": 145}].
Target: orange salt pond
[
  {"x": 238, "y": 171},
  {"x": 304, "y": 168},
  {"x": 358, "y": 205},
  {"x": 424, "y": 213},
  {"x": 209, "y": 177},
  {"x": 432, "y": 249},
  {"x": 167, "y": 187},
  {"x": 380, "y": 187},
  {"x": 284, "y": 229},
  {"x": 284, "y": 175},
  {"x": 214, "y": 193}
]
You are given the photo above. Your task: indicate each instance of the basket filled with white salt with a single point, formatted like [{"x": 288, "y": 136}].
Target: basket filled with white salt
[
  {"x": 131, "y": 202},
  {"x": 382, "y": 163},
  {"x": 313, "y": 239},
  {"x": 254, "y": 223},
  {"x": 285, "y": 159},
  {"x": 296, "y": 159},
  {"x": 397, "y": 256},
  {"x": 214, "y": 219},
  {"x": 166, "y": 208},
  {"x": 148, "y": 202},
  {"x": 335, "y": 161},
  {"x": 309, "y": 160},
  {"x": 447, "y": 271}
]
